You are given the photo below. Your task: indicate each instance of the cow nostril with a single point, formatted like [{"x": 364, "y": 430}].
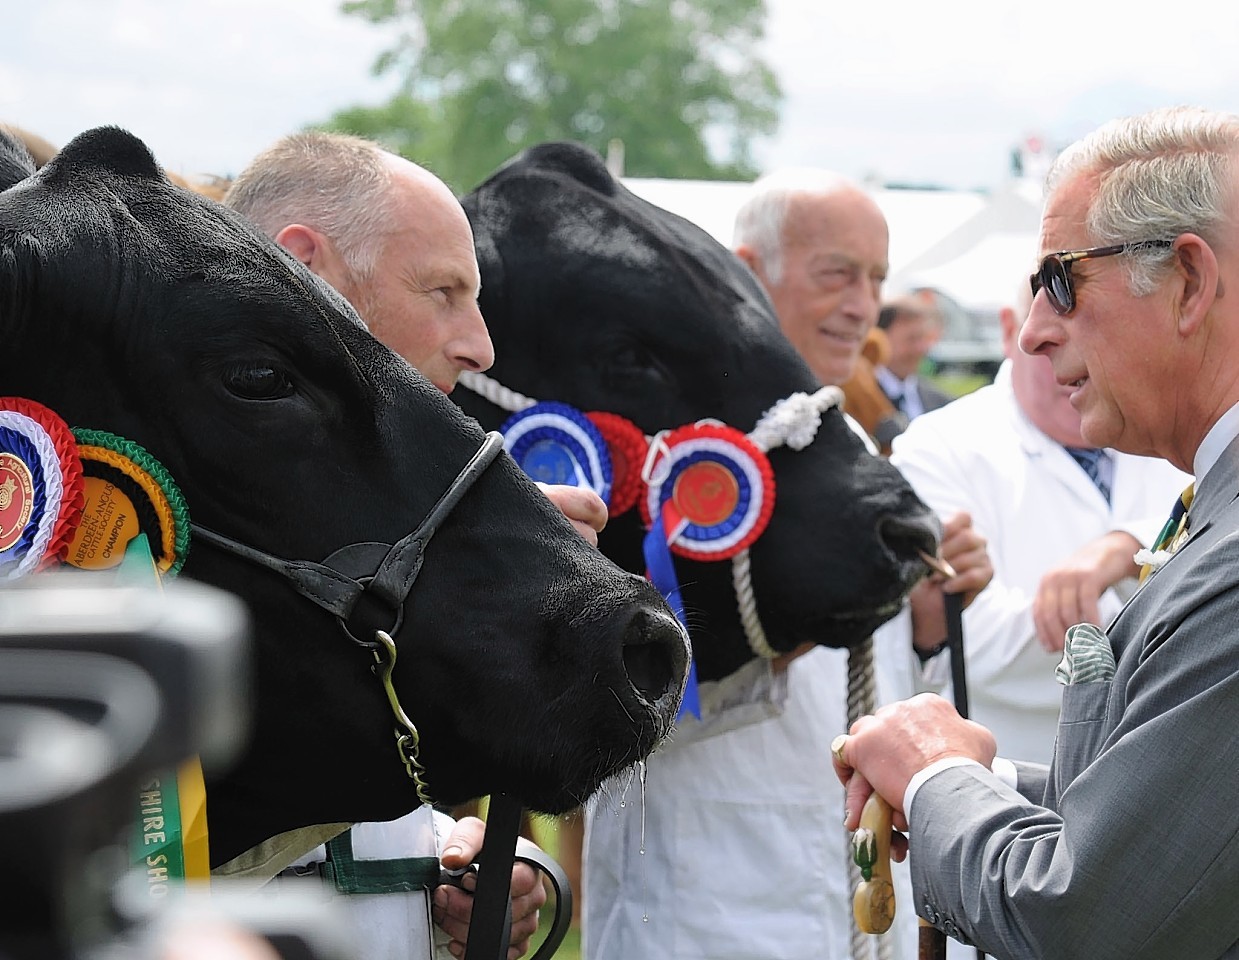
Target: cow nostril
[
  {"x": 907, "y": 537},
  {"x": 649, "y": 668},
  {"x": 654, "y": 655}
]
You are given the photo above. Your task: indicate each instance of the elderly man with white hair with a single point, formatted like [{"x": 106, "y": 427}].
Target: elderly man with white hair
[{"x": 732, "y": 847}]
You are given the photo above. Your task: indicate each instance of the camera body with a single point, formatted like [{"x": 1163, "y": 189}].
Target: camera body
[{"x": 104, "y": 689}]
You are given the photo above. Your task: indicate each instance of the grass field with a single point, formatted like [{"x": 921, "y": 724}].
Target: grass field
[
  {"x": 570, "y": 949},
  {"x": 957, "y": 384}
]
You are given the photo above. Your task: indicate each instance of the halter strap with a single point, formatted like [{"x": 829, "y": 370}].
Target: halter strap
[{"x": 337, "y": 591}]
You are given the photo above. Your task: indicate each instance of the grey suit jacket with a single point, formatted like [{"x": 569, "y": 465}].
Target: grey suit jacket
[{"x": 1128, "y": 845}]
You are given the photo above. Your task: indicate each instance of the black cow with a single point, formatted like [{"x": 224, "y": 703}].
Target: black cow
[
  {"x": 598, "y": 299},
  {"x": 530, "y": 662}
]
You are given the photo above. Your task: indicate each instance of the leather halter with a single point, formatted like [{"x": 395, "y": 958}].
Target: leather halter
[{"x": 366, "y": 570}]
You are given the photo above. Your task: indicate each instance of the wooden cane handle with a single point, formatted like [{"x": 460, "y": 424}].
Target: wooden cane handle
[
  {"x": 931, "y": 942},
  {"x": 874, "y": 903}
]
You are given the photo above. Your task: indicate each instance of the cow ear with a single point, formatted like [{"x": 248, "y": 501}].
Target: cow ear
[
  {"x": 16, "y": 163},
  {"x": 570, "y": 159},
  {"x": 109, "y": 149}
]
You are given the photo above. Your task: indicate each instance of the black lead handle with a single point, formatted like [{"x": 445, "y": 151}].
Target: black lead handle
[
  {"x": 491, "y": 923},
  {"x": 959, "y": 686},
  {"x": 955, "y": 643}
]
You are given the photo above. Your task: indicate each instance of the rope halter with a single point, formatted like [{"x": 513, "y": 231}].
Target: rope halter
[{"x": 792, "y": 422}]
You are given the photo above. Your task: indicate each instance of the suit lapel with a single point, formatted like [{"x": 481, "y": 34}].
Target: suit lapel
[{"x": 1218, "y": 490}]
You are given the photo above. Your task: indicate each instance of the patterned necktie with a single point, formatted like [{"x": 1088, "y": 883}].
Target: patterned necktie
[
  {"x": 1175, "y": 530},
  {"x": 1093, "y": 462}
]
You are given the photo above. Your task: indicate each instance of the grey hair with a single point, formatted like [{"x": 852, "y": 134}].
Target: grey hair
[
  {"x": 760, "y": 220},
  {"x": 1160, "y": 174},
  {"x": 337, "y": 184}
]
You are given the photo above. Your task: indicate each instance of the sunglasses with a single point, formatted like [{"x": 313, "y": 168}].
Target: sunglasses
[{"x": 1054, "y": 273}]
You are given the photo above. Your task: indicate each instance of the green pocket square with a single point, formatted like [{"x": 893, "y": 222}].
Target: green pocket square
[{"x": 1087, "y": 656}]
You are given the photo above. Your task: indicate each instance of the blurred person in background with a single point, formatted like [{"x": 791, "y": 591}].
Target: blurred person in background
[{"x": 912, "y": 328}]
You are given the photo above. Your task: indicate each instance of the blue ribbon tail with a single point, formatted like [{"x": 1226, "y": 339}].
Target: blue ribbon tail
[{"x": 661, "y": 572}]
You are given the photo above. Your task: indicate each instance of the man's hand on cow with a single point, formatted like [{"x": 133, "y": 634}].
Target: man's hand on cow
[
  {"x": 453, "y": 908},
  {"x": 964, "y": 549},
  {"x": 581, "y": 506},
  {"x": 1068, "y": 593},
  {"x": 884, "y": 751}
]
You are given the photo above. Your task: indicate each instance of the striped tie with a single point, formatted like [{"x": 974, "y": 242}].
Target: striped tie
[
  {"x": 1174, "y": 532},
  {"x": 1096, "y": 463}
]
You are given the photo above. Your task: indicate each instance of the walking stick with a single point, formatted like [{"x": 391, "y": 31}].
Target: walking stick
[{"x": 874, "y": 902}]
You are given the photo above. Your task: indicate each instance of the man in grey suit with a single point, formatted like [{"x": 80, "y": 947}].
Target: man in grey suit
[{"x": 1127, "y": 845}]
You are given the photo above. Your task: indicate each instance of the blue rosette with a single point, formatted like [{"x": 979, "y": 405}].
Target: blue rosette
[{"x": 556, "y": 443}]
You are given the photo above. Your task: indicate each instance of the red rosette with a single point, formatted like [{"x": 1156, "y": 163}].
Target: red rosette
[
  {"x": 721, "y": 485},
  {"x": 69, "y": 508},
  {"x": 628, "y": 447}
]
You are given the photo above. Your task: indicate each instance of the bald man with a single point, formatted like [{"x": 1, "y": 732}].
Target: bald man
[{"x": 393, "y": 240}]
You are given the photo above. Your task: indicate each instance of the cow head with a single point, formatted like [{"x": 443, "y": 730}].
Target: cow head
[
  {"x": 528, "y": 661},
  {"x": 601, "y": 300}
]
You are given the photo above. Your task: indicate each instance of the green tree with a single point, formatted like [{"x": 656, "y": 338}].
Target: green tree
[{"x": 677, "y": 81}]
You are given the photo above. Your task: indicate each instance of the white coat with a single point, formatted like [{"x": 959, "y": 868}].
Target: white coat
[
  {"x": 745, "y": 855},
  {"x": 392, "y": 926}
]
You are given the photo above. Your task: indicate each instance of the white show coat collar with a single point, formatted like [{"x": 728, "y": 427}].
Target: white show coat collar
[{"x": 1036, "y": 445}]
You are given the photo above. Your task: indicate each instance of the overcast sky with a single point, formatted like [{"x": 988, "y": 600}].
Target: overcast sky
[{"x": 909, "y": 91}]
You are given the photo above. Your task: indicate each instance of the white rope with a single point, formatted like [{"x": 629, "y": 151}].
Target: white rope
[
  {"x": 747, "y": 603},
  {"x": 859, "y": 702},
  {"x": 494, "y": 391},
  {"x": 794, "y": 419}
]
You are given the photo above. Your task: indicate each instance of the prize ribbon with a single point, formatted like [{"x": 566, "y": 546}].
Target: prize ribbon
[
  {"x": 169, "y": 841},
  {"x": 128, "y": 493},
  {"x": 722, "y": 487},
  {"x": 660, "y": 571},
  {"x": 40, "y": 487},
  {"x": 556, "y": 443},
  {"x": 628, "y": 446}
]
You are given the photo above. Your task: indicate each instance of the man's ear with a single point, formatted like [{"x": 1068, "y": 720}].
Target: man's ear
[
  {"x": 304, "y": 243},
  {"x": 753, "y": 259},
  {"x": 318, "y": 253},
  {"x": 1201, "y": 281}
]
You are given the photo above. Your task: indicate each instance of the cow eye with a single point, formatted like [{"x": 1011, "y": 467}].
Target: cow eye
[
  {"x": 633, "y": 364},
  {"x": 258, "y": 383}
]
